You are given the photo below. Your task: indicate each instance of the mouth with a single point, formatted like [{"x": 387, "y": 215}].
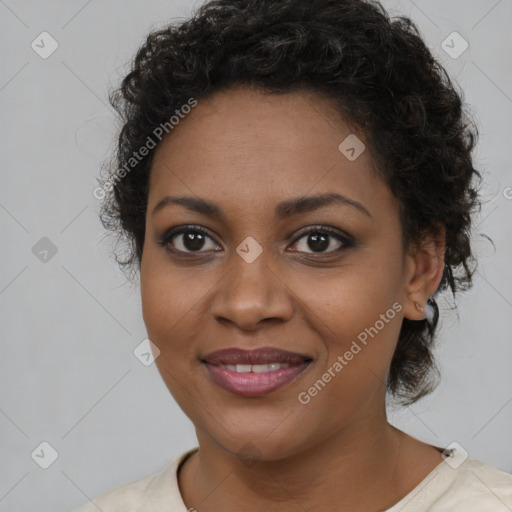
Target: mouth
[{"x": 252, "y": 373}]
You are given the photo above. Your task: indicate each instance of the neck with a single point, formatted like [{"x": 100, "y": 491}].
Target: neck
[{"x": 357, "y": 469}]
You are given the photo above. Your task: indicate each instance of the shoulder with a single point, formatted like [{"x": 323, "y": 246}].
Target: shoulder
[
  {"x": 470, "y": 485},
  {"x": 478, "y": 486},
  {"x": 459, "y": 484},
  {"x": 156, "y": 489},
  {"x": 125, "y": 498}
]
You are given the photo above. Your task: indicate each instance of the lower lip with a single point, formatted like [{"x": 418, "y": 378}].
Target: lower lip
[{"x": 253, "y": 384}]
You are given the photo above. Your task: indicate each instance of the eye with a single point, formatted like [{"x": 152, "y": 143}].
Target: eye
[
  {"x": 321, "y": 240},
  {"x": 187, "y": 239},
  {"x": 194, "y": 239}
]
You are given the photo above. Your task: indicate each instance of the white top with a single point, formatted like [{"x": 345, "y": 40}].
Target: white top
[{"x": 455, "y": 485}]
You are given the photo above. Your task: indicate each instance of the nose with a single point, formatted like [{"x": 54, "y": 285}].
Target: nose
[{"x": 251, "y": 294}]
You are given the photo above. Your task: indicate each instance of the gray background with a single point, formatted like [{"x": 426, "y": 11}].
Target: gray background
[{"x": 70, "y": 324}]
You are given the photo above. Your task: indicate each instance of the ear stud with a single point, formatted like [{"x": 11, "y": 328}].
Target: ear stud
[{"x": 419, "y": 307}]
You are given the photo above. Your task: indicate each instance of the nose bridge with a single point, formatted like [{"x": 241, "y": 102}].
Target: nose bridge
[{"x": 251, "y": 290}]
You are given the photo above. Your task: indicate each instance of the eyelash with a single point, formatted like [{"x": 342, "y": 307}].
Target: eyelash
[{"x": 346, "y": 241}]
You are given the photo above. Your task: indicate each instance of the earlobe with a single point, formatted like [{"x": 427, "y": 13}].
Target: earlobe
[
  {"x": 427, "y": 310},
  {"x": 424, "y": 271}
]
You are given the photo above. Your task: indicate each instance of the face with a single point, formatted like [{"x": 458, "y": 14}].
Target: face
[{"x": 242, "y": 265}]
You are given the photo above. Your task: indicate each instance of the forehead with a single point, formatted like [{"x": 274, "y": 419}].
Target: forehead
[{"x": 251, "y": 147}]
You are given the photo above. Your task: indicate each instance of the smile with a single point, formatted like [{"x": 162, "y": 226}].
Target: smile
[{"x": 256, "y": 372}]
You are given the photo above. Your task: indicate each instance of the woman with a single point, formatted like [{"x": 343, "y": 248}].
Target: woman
[{"x": 295, "y": 183}]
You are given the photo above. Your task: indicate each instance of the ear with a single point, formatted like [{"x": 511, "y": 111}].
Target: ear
[{"x": 424, "y": 266}]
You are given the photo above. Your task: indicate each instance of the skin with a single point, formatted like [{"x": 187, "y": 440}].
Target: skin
[{"x": 247, "y": 151}]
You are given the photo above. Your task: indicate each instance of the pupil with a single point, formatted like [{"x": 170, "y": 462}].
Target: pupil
[
  {"x": 319, "y": 242},
  {"x": 193, "y": 241}
]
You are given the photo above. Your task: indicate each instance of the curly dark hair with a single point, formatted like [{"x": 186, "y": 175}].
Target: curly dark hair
[{"x": 378, "y": 72}]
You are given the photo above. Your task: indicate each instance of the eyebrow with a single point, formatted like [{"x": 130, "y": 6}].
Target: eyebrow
[{"x": 283, "y": 210}]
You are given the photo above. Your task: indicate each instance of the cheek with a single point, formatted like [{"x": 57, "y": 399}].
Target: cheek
[
  {"x": 170, "y": 296},
  {"x": 357, "y": 315},
  {"x": 173, "y": 307},
  {"x": 342, "y": 303},
  {"x": 170, "y": 320},
  {"x": 352, "y": 378}
]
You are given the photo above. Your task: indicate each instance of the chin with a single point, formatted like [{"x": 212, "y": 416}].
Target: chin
[{"x": 252, "y": 444}]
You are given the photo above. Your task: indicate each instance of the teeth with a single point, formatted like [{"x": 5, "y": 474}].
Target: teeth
[
  {"x": 260, "y": 368},
  {"x": 255, "y": 368}
]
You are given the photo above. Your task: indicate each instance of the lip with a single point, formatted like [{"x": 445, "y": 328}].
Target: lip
[
  {"x": 264, "y": 355},
  {"x": 254, "y": 384}
]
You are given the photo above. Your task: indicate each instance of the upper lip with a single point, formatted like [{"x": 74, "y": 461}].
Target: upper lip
[{"x": 264, "y": 355}]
